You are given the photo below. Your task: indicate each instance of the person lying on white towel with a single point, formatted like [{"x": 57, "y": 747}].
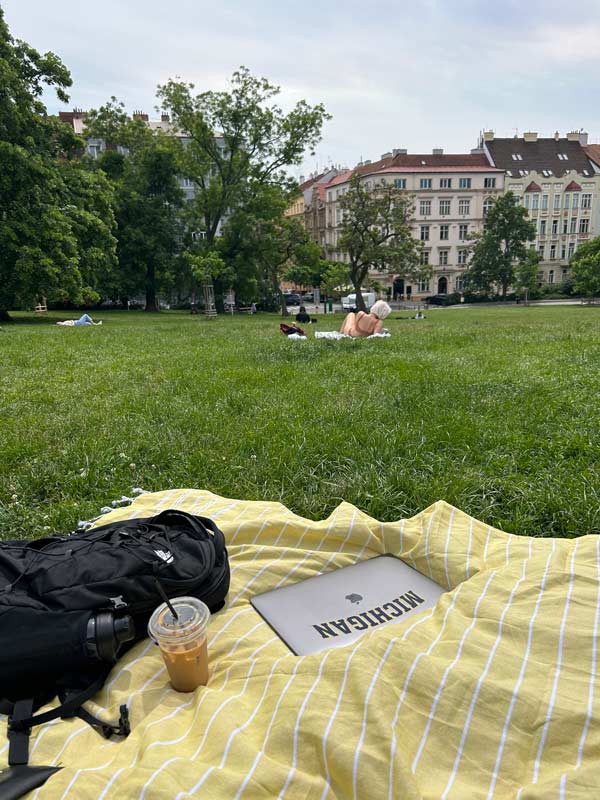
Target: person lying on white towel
[{"x": 362, "y": 324}]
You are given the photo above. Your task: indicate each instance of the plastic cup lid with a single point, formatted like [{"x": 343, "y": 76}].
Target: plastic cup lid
[{"x": 192, "y": 618}]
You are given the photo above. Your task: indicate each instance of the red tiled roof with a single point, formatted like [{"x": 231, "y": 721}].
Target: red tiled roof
[
  {"x": 593, "y": 152},
  {"x": 533, "y": 187},
  {"x": 573, "y": 187},
  {"x": 415, "y": 162},
  {"x": 307, "y": 184}
]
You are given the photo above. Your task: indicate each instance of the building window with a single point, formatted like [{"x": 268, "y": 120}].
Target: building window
[
  {"x": 535, "y": 204},
  {"x": 557, "y": 202},
  {"x": 573, "y": 227},
  {"x": 489, "y": 183},
  {"x": 542, "y": 227},
  {"x": 464, "y": 206},
  {"x": 445, "y": 183},
  {"x": 541, "y": 251},
  {"x": 188, "y": 183},
  {"x": 425, "y": 183},
  {"x": 443, "y": 258},
  {"x": 584, "y": 225},
  {"x": 463, "y": 256},
  {"x": 563, "y": 253},
  {"x": 566, "y": 200},
  {"x": 564, "y": 273},
  {"x": 444, "y": 231},
  {"x": 526, "y": 200},
  {"x": 424, "y": 233},
  {"x": 425, "y": 207},
  {"x": 586, "y": 200},
  {"x": 400, "y": 183},
  {"x": 552, "y": 252},
  {"x": 460, "y": 283},
  {"x": 444, "y": 208},
  {"x": 554, "y": 227},
  {"x": 424, "y": 257},
  {"x": 338, "y": 215},
  {"x": 517, "y": 157},
  {"x": 487, "y": 205},
  {"x": 94, "y": 150},
  {"x": 565, "y": 227},
  {"x": 544, "y": 202},
  {"x": 463, "y": 231},
  {"x": 571, "y": 248},
  {"x": 551, "y": 276},
  {"x": 424, "y": 286},
  {"x": 464, "y": 183},
  {"x": 575, "y": 202}
]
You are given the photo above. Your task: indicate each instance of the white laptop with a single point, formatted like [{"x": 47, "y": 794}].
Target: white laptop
[{"x": 335, "y": 608}]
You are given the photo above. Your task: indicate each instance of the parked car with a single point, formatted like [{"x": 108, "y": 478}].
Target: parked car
[
  {"x": 443, "y": 299},
  {"x": 293, "y": 300},
  {"x": 308, "y": 297},
  {"x": 349, "y": 302}
]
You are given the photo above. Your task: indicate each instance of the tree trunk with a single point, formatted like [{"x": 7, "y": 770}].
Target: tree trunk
[
  {"x": 526, "y": 297},
  {"x": 5, "y": 316},
  {"x": 151, "y": 304},
  {"x": 284, "y": 308},
  {"x": 360, "y": 301}
]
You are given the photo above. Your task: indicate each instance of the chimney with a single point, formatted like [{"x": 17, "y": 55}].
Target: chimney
[
  {"x": 165, "y": 118},
  {"x": 577, "y": 136},
  {"x": 385, "y": 155},
  {"x": 556, "y": 136},
  {"x": 438, "y": 151},
  {"x": 140, "y": 115},
  {"x": 301, "y": 179},
  {"x": 530, "y": 136},
  {"x": 400, "y": 151},
  {"x": 488, "y": 136}
]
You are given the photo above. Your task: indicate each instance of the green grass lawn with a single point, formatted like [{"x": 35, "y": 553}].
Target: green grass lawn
[{"x": 492, "y": 409}]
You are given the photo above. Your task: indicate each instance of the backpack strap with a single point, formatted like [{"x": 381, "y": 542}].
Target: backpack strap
[{"x": 21, "y": 718}]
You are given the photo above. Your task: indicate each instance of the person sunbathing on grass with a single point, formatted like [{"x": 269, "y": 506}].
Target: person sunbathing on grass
[
  {"x": 85, "y": 319},
  {"x": 362, "y": 324}
]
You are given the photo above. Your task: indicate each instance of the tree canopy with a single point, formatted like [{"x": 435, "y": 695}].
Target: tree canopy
[
  {"x": 500, "y": 247},
  {"x": 585, "y": 269},
  {"x": 148, "y": 200},
  {"x": 237, "y": 142},
  {"x": 50, "y": 243},
  {"x": 375, "y": 233}
]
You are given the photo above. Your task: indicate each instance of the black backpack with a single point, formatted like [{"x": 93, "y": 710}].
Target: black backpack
[{"x": 71, "y": 605}]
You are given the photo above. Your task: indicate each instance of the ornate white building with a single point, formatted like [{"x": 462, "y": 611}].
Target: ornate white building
[
  {"x": 451, "y": 194},
  {"x": 558, "y": 182}
]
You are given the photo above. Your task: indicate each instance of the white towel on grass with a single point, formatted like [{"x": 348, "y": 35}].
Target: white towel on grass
[{"x": 338, "y": 335}]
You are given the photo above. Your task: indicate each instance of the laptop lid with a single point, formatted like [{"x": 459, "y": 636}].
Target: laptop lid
[{"x": 335, "y": 608}]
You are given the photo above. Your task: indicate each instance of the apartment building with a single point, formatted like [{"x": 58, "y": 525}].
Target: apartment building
[
  {"x": 557, "y": 180},
  {"x": 451, "y": 195}
]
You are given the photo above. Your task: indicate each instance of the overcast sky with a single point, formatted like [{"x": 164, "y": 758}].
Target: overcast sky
[{"x": 419, "y": 74}]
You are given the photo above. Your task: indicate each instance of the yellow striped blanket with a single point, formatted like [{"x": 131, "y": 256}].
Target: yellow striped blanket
[{"x": 493, "y": 693}]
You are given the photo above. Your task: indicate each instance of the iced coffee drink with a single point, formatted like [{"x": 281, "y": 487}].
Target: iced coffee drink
[{"x": 181, "y": 637}]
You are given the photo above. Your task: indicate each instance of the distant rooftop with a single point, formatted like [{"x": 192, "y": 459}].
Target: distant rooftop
[{"x": 552, "y": 157}]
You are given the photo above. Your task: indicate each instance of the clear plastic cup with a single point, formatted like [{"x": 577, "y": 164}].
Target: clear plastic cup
[{"x": 182, "y": 641}]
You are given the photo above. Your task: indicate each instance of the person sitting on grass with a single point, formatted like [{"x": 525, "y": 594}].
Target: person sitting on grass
[
  {"x": 302, "y": 316},
  {"x": 362, "y": 324}
]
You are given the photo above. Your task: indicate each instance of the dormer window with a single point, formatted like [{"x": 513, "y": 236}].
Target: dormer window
[
  {"x": 517, "y": 157},
  {"x": 563, "y": 157}
]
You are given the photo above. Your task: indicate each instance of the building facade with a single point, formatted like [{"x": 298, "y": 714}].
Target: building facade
[
  {"x": 451, "y": 194},
  {"x": 558, "y": 182}
]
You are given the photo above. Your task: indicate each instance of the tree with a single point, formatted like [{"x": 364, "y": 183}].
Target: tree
[
  {"x": 375, "y": 233},
  {"x": 501, "y": 245},
  {"x": 526, "y": 273},
  {"x": 238, "y": 141},
  {"x": 49, "y": 242},
  {"x": 585, "y": 269},
  {"x": 285, "y": 244},
  {"x": 148, "y": 200}
]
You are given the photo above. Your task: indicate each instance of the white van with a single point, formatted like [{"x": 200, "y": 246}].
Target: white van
[{"x": 349, "y": 302}]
